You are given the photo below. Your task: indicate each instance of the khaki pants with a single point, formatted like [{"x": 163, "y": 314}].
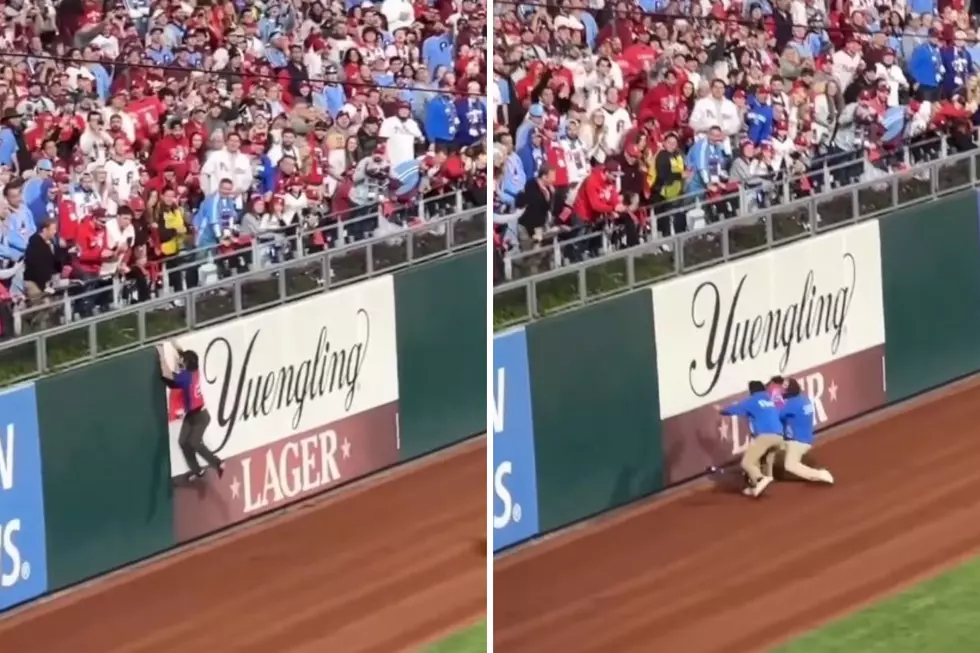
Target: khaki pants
[
  {"x": 794, "y": 462},
  {"x": 758, "y": 447}
]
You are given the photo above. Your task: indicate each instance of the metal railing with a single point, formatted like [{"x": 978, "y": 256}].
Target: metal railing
[
  {"x": 823, "y": 175},
  {"x": 574, "y": 285},
  {"x": 341, "y": 229},
  {"x": 136, "y": 325}
]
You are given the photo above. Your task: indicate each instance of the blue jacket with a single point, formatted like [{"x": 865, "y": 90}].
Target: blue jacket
[
  {"x": 472, "y": 114},
  {"x": 706, "y": 160},
  {"x": 513, "y": 181},
  {"x": 19, "y": 229},
  {"x": 523, "y": 135},
  {"x": 265, "y": 175},
  {"x": 42, "y": 208},
  {"x": 759, "y": 120},
  {"x": 761, "y": 412},
  {"x": 797, "y": 418},
  {"x": 441, "y": 121},
  {"x": 926, "y": 65},
  {"x": 531, "y": 158},
  {"x": 214, "y": 215},
  {"x": 958, "y": 65}
]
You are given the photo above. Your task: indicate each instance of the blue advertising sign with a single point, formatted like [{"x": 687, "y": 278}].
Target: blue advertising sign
[
  {"x": 515, "y": 492},
  {"x": 23, "y": 552}
]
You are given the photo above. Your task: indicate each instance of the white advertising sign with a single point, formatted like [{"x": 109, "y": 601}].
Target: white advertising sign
[
  {"x": 790, "y": 309},
  {"x": 292, "y": 369}
]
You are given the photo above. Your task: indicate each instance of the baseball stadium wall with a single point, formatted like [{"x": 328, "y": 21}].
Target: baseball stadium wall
[
  {"x": 304, "y": 398},
  {"x": 607, "y": 404}
]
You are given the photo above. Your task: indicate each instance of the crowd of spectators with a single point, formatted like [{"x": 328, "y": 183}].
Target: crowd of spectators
[
  {"x": 628, "y": 118},
  {"x": 142, "y": 136}
]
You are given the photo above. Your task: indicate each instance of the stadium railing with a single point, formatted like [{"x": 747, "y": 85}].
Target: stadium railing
[
  {"x": 822, "y": 174},
  {"x": 573, "y": 285},
  {"x": 125, "y": 327}
]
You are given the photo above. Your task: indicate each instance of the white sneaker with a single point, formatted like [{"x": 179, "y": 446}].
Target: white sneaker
[
  {"x": 826, "y": 477},
  {"x": 761, "y": 486},
  {"x": 749, "y": 491}
]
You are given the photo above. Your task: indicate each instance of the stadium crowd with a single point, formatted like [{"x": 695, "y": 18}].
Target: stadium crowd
[
  {"x": 140, "y": 136},
  {"x": 620, "y": 117}
]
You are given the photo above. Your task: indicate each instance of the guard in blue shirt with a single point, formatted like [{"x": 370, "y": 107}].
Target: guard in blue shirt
[
  {"x": 797, "y": 418},
  {"x": 765, "y": 429}
]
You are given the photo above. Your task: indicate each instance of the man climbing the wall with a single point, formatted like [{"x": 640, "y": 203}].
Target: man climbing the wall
[{"x": 186, "y": 382}]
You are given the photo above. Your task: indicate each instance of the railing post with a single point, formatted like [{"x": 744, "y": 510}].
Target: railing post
[
  {"x": 236, "y": 297},
  {"x": 679, "y": 255},
  {"x": 41, "y": 353},
  {"x": 256, "y": 254},
  {"x": 141, "y": 324},
  {"x": 68, "y": 313},
  {"x": 93, "y": 340},
  {"x": 281, "y": 285},
  {"x": 531, "y": 297},
  {"x": 116, "y": 292}
]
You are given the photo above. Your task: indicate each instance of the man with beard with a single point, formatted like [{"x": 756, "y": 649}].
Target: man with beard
[
  {"x": 171, "y": 151},
  {"x": 286, "y": 147}
]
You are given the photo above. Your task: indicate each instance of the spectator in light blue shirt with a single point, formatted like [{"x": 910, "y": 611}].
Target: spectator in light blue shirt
[
  {"x": 437, "y": 50},
  {"x": 158, "y": 53}
]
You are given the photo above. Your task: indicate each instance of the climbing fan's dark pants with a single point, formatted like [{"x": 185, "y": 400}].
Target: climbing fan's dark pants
[{"x": 191, "y": 440}]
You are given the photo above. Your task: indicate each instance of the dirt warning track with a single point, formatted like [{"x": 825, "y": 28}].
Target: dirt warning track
[
  {"x": 709, "y": 571},
  {"x": 378, "y": 568}
]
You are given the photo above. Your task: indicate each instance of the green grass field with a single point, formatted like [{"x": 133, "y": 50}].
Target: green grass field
[
  {"x": 471, "y": 640},
  {"x": 937, "y": 616}
]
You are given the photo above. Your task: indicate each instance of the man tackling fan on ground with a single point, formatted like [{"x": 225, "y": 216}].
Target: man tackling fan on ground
[{"x": 780, "y": 419}]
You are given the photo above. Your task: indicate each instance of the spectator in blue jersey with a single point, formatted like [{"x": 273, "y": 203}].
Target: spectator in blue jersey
[
  {"x": 510, "y": 172},
  {"x": 957, "y": 64},
  {"x": 441, "y": 118},
  {"x": 472, "y": 113},
  {"x": 759, "y": 117},
  {"x": 217, "y": 217},
  {"x": 438, "y": 49},
  {"x": 798, "y": 418},
  {"x": 765, "y": 430},
  {"x": 709, "y": 163},
  {"x": 926, "y": 68}
]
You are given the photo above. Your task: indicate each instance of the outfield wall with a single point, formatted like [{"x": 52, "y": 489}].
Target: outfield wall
[
  {"x": 303, "y": 398},
  {"x": 610, "y": 403}
]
